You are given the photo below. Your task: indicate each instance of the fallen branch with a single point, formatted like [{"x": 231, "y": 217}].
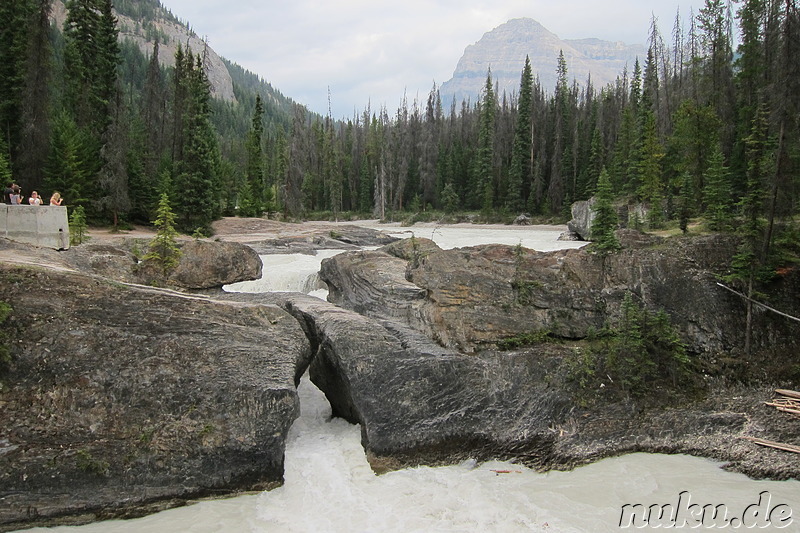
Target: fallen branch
[
  {"x": 777, "y": 445},
  {"x": 789, "y": 393},
  {"x": 756, "y": 302}
]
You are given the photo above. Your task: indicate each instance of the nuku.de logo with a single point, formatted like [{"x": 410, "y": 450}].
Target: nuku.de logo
[{"x": 685, "y": 514}]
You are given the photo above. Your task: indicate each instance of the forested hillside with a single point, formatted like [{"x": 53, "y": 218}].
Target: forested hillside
[
  {"x": 87, "y": 113},
  {"x": 694, "y": 129}
]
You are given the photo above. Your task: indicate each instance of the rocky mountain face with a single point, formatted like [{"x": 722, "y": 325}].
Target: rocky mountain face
[
  {"x": 171, "y": 35},
  {"x": 504, "y": 49}
]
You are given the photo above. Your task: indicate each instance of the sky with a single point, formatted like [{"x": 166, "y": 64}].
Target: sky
[{"x": 355, "y": 53}]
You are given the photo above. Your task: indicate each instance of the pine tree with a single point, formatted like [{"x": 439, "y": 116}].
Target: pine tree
[
  {"x": 14, "y": 26},
  {"x": 77, "y": 225},
  {"x": 605, "y": 220},
  {"x": 196, "y": 177},
  {"x": 686, "y": 207},
  {"x": 164, "y": 250},
  {"x": 482, "y": 190},
  {"x": 113, "y": 178},
  {"x": 450, "y": 199},
  {"x": 649, "y": 171},
  {"x": 596, "y": 163},
  {"x": 66, "y": 169},
  {"x": 557, "y": 190},
  {"x": 5, "y": 166},
  {"x": 37, "y": 99},
  {"x": 717, "y": 192},
  {"x": 521, "y": 161},
  {"x": 255, "y": 160},
  {"x": 91, "y": 56},
  {"x": 748, "y": 264}
]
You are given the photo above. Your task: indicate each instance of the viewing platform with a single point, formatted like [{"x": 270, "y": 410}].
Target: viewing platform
[{"x": 45, "y": 226}]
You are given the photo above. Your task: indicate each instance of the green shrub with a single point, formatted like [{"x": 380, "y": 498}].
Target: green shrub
[
  {"x": 639, "y": 350},
  {"x": 77, "y": 226},
  {"x": 164, "y": 249}
]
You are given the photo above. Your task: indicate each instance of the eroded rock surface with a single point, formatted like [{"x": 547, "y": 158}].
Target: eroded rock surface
[
  {"x": 121, "y": 397},
  {"x": 203, "y": 264},
  {"x": 420, "y": 403},
  {"x": 471, "y": 298}
]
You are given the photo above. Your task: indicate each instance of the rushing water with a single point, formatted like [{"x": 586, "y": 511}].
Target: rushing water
[{"x": 329, "y": 486}]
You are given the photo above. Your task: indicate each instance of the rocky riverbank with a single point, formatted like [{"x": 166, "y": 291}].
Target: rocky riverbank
[{"x": 121, "y": 399}]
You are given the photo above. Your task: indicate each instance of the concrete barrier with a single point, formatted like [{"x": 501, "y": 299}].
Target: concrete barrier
[{"x": 45, "y": 226}]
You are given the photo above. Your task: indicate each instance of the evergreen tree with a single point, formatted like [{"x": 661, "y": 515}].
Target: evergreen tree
[
  {"x": 596, "y": 164},
  {"x": 66, "y": 169},
  {"x": 521, "y": 160},
  {"x": 14, "y": 26},
  {"x": 91, "y": 56},
  {"x": 605, "y": 219},
  {"x": 651, "y": 188},
  {"x": 196, "y": 177},
  {"x": 163, "y": 250},
  {"x": 686, "y": 207},
  {"x": 450, "y": 199},
  {"x": 749, "y": 264},
  {"x": 5, "y": 166},
  {"x": 37, "y": 99},
  {"x": 556, "y": 190},
  {"x": 255, "y": 161},
  {"x": 717, "y": 192},
  {"x": 77, "y": 225},
  {"x": 482, "y": 190},
  {"x": 113, "y": 179}
]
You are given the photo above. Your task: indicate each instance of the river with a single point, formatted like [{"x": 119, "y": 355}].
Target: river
[{"x": 329, "y": 486}]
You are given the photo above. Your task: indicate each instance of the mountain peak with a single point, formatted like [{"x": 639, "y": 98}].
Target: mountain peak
[{"x": 504, "y": 49}]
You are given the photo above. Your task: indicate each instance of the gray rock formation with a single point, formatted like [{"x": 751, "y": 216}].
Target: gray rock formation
[
  {"x": 342, "y": 238},
  {"x": 207, "y": 264},
  {"x": 471, "y": 298},
  {"x": 120, "y": 400},
  {"x": 121, "y": 397},
  {"x": 419, "y": 403},
  {"x": 504, "y": 50},
  {"x": 203, "y": 264},
  {"x": 582, "y": 218}
]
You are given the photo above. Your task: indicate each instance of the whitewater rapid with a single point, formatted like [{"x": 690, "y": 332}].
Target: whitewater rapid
[{"x": 330, "y": 488}]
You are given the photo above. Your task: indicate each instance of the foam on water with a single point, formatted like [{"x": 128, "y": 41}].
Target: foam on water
[{"x": 288, "y": 273}]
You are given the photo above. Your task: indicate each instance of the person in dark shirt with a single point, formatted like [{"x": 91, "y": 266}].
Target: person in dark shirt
[{"x": 7, "y": 192}]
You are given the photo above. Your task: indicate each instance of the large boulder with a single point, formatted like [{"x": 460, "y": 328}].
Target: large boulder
[
  {"x": 120, "y": 397},
  {"x": 582, "y": 217},
  {"x": 206, "y": 264},
  {"x": 418, "y": 402},
  {"x": 203, "y": 264}
]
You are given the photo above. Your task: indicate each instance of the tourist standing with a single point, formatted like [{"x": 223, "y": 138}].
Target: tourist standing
[
  {"x": 34, "y": 199},
  {"x": 16, "y": 195},
  {"x": 56, "y": 198}
]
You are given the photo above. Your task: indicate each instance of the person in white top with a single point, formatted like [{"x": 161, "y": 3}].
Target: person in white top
[{"x": 34, "y": 199}]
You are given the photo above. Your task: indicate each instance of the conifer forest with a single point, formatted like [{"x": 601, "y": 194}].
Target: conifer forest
[{"x": 705, "y": 128}]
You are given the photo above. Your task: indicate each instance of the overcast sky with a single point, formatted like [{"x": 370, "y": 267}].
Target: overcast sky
[{"x": 374, "y": 51}]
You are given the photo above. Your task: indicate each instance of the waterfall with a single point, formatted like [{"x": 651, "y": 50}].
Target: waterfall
[{"x": 288, "y": 273}]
